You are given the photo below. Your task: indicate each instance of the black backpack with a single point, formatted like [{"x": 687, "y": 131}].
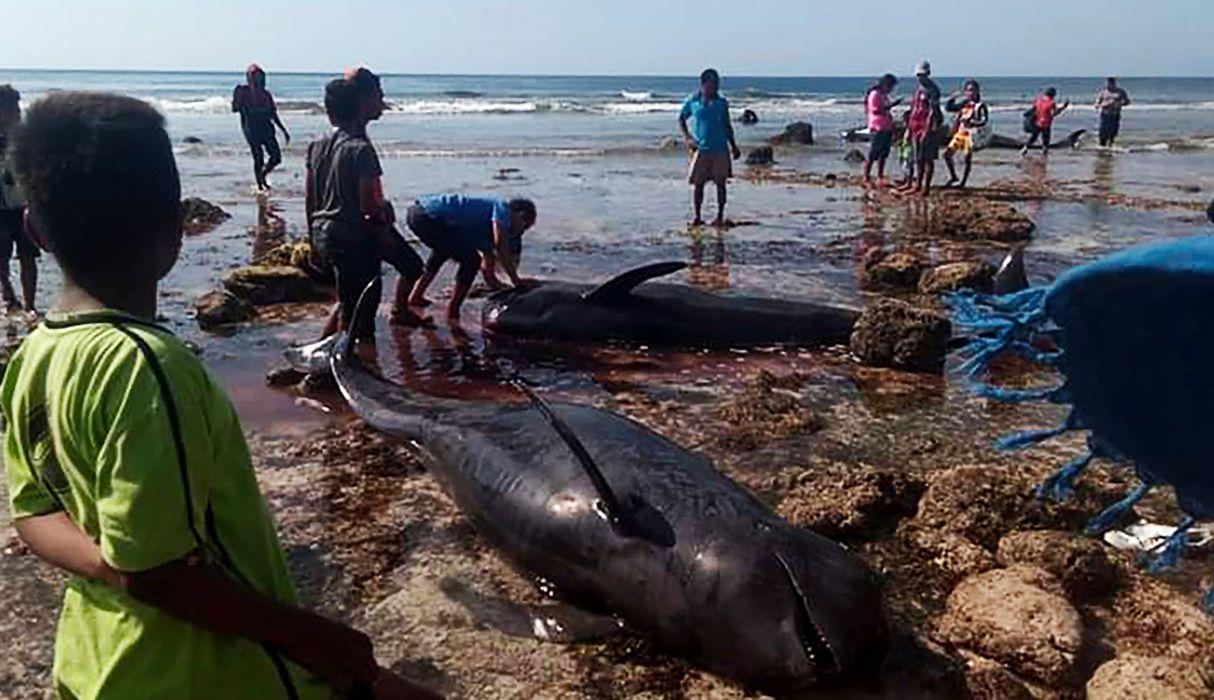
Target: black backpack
[{"x": 1030, "y": 120}]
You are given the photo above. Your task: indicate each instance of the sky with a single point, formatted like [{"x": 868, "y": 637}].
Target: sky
[{"x": 617, "y": 37}]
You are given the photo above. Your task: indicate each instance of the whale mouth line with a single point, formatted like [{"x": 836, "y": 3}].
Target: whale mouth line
[{"x": 813, "y": 641}]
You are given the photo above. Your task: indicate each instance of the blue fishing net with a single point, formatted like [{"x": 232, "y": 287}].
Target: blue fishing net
[{"x": 1132, "y": 336}]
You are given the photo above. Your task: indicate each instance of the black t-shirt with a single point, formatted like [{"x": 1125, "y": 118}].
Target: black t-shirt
[{"x": 336, "y": 163}]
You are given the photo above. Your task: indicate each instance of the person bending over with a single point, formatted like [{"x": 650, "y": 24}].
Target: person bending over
[
  {"x": 711, "y": 146},
  {"x": 258, "y": 117},
  {"x": 127, "y": 466},
  {"x": 350, "y": 222},
  {"x": 475, "y": 232}
]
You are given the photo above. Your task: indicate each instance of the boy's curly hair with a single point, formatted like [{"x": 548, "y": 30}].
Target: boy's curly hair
[{"x": 100, "y": 181}]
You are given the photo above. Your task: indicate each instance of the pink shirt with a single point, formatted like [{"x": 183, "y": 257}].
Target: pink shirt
[{"x": 877, "y": 106}]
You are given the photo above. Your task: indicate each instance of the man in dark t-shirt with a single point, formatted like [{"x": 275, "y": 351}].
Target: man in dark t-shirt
[
  {"x": 258, "y": 117},
  {"x": 350, "y": 222}
]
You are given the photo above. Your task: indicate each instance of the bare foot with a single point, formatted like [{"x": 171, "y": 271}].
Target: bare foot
[
  {"x": 697, "y": 222},
  {"x": 410, "y": 319},
  {"x": 718, "y": 223}
]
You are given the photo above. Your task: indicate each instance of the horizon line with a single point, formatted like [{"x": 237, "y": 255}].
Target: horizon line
[{"x": 203, "y": 71}]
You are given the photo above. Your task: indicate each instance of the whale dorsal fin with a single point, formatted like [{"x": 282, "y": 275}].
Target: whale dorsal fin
[{"x": 622, "y": 284}]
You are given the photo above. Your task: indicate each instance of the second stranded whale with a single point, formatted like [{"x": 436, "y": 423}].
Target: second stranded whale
[
  {"x": 631, "y": 308},
  {"x": 619, "y": 518}
]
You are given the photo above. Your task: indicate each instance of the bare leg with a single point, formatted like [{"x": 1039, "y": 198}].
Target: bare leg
[
  {"x": 969, "y": 166},
  {"x": 697, "y": 199},
  {"x": 457, "y": 300},
  {"x": 333, "y": 323},
  {"x": 952, "y": 168},
  {"x": 929, "y": 171},
  {"x": 868, "y": 170},
  {"x": 6, "y": 287},
  {"x": 29, "y": 280},
  {"x": 880, "y": 170},
  {"x": 433, "y": 264},
  {"x": 722, "y": 197}
]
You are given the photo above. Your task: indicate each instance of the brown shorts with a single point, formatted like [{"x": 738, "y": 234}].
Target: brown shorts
[{"x": 710, "y": 167}]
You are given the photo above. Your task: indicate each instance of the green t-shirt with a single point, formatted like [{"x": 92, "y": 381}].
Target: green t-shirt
[{"x": 114, "y": 421}]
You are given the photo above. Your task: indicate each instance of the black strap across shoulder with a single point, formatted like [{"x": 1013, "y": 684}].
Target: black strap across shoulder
[{"x": 122, "y": 323}]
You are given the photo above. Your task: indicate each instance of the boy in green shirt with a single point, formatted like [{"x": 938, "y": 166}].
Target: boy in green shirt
[{"x": 126, "y": 462}]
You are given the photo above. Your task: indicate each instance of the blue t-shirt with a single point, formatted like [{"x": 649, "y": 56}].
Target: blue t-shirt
[
  {"x": 709, "y": 120},
  {"x": 470, "y": 218}
]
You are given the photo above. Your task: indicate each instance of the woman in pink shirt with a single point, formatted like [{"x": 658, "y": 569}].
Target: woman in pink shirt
[{"x": 877, "y": 106}]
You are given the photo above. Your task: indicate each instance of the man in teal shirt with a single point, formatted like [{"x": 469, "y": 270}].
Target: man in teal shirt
[{"x": 711, "y": 143}]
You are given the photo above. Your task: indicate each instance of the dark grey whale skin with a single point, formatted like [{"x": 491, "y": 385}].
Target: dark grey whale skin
[
  {"x": 664, "y": 315},
  {"x": 708, "y": 571}
]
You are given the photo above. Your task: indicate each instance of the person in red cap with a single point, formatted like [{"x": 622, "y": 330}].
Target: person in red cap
[{"x": 258, "y": 117}]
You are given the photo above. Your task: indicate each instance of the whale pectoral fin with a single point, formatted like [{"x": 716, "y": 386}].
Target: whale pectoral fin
[
  {"x": 551, "y": 622},
  {"x": 623, "y": 284}
]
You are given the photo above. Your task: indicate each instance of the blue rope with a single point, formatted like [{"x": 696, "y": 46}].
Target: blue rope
[
  {"x": 1061, "y": 485},
  {"x": 1018, "y": 441},
  {"x": 1174, "y": 548},
  {"x": 1104, "y": 522}
]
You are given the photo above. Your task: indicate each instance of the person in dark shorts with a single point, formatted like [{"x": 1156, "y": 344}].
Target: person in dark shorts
[
  {"x": 1039, "y": 120},
  {"x": 258, "y": 117},
  {"x": 1109, "y": 103},
  {"x": 926, "y": 127},
  {"x": 878, "y": 106},
  {"x": 12, "y": 214},
  {"x": 477, "y": 233},
  {"x": 349, "y": 221}
]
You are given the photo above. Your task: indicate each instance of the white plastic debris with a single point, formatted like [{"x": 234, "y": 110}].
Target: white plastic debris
[{"x": 1145, "y": 537}]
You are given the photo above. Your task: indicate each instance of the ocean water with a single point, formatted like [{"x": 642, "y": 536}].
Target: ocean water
[{"x": 496, "y": 115}]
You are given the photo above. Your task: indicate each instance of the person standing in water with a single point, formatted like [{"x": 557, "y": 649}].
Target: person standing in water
[
  {"x": 711, "y": 146},
  {"x": 258, "y": 117},
  {"x": 12, "y": 214},
  {"x": 924, "y": 125},
  {"x": 880, "y": 126},
  {"x": 1109, "y": 103},
  {"x": 1039, "y": 120},
  {"x": 350, "y": 222},
  {"x": 973, "y": 117}
]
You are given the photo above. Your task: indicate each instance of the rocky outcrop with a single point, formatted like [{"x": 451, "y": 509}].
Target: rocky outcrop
[
  {"x": 797, "y": 133},
  {"x": 200, "y": 216},
  {"x": 886, "y": 271},
  {"x": 854, "y": 156},
  {"x": 894, "y": 334},
  {"x": 1134, "y": 677},
  {"x": 1019, "y": 618},
  {"x": 1081, "y": 564},
  {"x": 220, "y": 308},
  {"x": 261, "y": 285},
  {"x": 763, "y": 155},
  {"x": 978, "y": 219},
  {"x": 851, "y": 501},
  {"x": 952, "y": 277}
]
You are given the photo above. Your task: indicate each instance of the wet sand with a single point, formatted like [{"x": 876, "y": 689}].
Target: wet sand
[{"x": 851, "y": 451}]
